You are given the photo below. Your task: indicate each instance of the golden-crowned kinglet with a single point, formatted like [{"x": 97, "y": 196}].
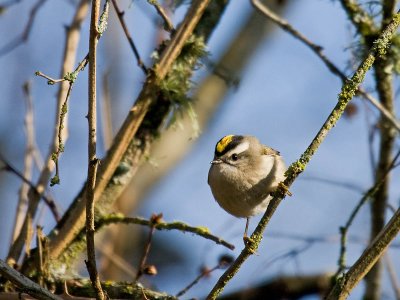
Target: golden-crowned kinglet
[{"x": 242, "y": 175}]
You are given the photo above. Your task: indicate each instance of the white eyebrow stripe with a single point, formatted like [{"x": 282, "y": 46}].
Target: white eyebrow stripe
[{"x": 239, "y": 148}]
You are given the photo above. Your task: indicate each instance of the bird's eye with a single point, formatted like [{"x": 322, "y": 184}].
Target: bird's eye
[{"x": 234, "y": 157}]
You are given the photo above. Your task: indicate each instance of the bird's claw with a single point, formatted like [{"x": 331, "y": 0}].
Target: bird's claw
[
  {"x": 249, "y": 244},
  {"x": 284, "y": 189}
]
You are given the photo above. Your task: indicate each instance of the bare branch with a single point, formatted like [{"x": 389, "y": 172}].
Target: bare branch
[
  {"x": 367, "y": 260},
  {"x": 344, "y": 230},
  {"x": 329, "y": 64},
  {"x": 120, "y": 15},
  {"x": 223, "y": 263},
  {"x": 93, "y": 161},
  {"x": 168, "y": 25},
  {"x": 153, "y": 221}
]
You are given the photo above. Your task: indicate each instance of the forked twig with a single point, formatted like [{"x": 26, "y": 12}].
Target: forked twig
[{"x": 223, "y": 263}]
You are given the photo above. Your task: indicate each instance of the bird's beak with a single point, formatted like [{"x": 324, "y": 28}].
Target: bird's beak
[{"x": 216, "y": 161}]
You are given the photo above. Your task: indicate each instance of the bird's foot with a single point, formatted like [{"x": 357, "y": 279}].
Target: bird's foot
[
  {"x": 249, "y": 244},
  {"x": 284, "y": 189}
]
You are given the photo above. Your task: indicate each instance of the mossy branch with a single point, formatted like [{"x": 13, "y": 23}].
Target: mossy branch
[
  {"x": 347, "y": 93},
  {"x": 162, "y": 225}
]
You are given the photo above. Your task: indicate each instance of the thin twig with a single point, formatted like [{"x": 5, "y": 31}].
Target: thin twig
[
  {"x": 168, "y": 25},
  {"x": 70, "y": 77},
  {"x": 120, "y": 15},
  {"x": 334, "y": 238},
  {"x": 93, "y": 161},
  {"x": 368, "y": 195},
  {"x": 49, "y": 202},
  {"x": 291, "y": 253},
  {"x": 344, "y": 229},
  {"x": 223, "y": 263},
  {"x": 50, "y": 81},
  {"x": 153, "y": 221},
  {"x": 340, "y": 183},
  {"x": 23, "y": 37},
  {"x": 347, "y": 93},
  {"x": 318, "y": 51},
  {"x": 367, "y": 260}
]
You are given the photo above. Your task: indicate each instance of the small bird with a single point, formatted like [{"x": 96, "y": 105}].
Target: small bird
[{"x": 243, "y": 174}]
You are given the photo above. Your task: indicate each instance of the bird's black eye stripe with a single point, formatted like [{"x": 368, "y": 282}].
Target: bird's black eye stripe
[{"x": 234, "y": 157}]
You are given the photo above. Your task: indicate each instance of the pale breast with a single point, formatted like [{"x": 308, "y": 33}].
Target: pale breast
[{"x": 241, "y": 197}]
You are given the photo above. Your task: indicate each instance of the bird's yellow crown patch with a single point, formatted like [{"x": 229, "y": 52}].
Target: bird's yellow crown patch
[{"x": 224, "y": 142}]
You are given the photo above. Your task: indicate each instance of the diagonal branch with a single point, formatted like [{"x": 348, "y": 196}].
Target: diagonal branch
[
  {"x": 120, "y": 15},
  {"x": 168, "y": 25},
  {"x": 329, "y": 64},
  {"x": 347, "y": 93}
]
